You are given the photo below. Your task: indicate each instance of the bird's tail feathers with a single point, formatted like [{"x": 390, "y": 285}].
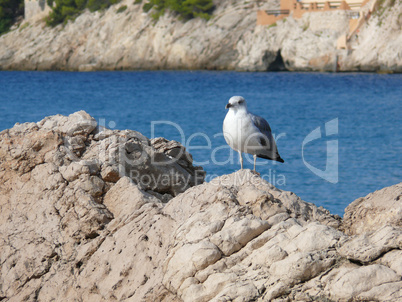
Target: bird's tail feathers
[{"x": 277, "y": 158}]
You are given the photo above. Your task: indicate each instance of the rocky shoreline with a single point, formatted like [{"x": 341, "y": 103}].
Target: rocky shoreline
[
  {"x": 91, "y": 214},
  {"x": 230, "y": 40}
]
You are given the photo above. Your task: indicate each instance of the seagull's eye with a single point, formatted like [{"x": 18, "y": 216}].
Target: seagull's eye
[{"x": 241, "y": 102}]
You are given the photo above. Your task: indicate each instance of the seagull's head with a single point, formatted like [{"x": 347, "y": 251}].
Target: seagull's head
[{"x": 236, "y": 102}]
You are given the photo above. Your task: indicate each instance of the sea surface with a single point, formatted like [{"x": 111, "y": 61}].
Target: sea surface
[{"x": 339, "y": 134}]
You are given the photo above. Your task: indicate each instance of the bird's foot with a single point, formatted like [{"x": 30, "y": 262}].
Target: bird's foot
[{"x": 255, "y": 172}]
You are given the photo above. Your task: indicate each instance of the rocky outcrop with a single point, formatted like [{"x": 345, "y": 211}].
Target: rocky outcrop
[
  {"x": 230, "y": 40},
  {"x": 76, "y": 225},
  {"x": 57, "y": 181},
  {"x": 367, "y": 214}
]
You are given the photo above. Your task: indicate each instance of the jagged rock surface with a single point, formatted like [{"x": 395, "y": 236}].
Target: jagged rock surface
[
  {"x": 56, "y": 196},
  {"x": 74, "y": 226},
  {"x": 229, "y": 40},
  {"x": 367, "y": 214}
]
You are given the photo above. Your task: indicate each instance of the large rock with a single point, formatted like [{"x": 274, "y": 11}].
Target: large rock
[
  {"x": 58, "y": 193},
  {"x": 76, "y": 226},
  {"x": 107, "y": 40},
  {"x": 367, "y": 214}
]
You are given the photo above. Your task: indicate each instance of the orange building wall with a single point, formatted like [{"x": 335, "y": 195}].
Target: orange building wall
[
  {"x": 287, "y": 4},
  {"x": 264, "y": 19},
  {"x": 299, "y": 8}
]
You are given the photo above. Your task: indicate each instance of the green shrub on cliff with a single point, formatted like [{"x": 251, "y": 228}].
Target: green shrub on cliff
[
  {"x": 95, "y": 5},
  {"x": 121, "y": 9},
  {"x": 64, "y": 10},
  {"x": 9, "y": 11},
  {"x": 382, "y": 7},
  {"x": 186, "y": 9}
]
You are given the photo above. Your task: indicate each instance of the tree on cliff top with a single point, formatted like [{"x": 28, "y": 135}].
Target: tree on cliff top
[
  {"x": 9, "y": 11},
  {"x": 186, "y": 9},
  {"x": 64, "y": 10}
]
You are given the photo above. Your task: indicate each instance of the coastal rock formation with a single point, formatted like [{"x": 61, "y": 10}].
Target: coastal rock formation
[
  {"x": 76, "y": 224},
  {"x": 230, "y": 40},
  {"x": 57, "y": 181},
  {"x": 367, "y": 214}
]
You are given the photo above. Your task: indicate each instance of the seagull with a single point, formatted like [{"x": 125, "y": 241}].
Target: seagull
[{"x": 247, "y": 132}]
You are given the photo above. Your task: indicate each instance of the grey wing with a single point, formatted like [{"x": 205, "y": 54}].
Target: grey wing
[
  {"x": 262, "y": 125},
  {"x": 270, "y": 150}
]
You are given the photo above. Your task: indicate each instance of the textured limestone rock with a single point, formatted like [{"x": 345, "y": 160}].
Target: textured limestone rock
[
  {"x": 231, "y": 39},
  {"x": 377, "y": 41},
  {"x": 361, "y": 280},
  {"x": 368, "y": 247},
  {"x": 370, "y": 213},
  {"x": 392, "y": 259},
  {"x": 74, "y": 226},
  {"x": 55, "y": 202}
]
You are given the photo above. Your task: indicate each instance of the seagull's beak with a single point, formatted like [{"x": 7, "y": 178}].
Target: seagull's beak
[{"x": 228, "y": 106}]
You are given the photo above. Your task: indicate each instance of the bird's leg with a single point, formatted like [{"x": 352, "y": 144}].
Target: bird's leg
[
  {"x": 241, "y": 160},
  {"x": 254, "y": 171}
]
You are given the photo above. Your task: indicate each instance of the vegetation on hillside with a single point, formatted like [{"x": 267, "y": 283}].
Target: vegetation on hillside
[
  {"x": 9, "y": 11},
  {"x": 185, "y": 9},
  {"x": 64, "y": 10},
  {"x": 382, "y": 7}
]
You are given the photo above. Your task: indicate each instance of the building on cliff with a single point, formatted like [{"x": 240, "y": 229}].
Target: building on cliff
[
  {"x": 299, "y": 8},
  {"x": 35, "y": 9},
  {"x": 358, "y": 12}
]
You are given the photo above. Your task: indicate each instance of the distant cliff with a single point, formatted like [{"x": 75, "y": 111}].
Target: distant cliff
[{"x": 130, "y": 39}]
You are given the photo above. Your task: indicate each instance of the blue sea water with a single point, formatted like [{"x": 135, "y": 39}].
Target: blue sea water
[{"x": 339, "y": 134}]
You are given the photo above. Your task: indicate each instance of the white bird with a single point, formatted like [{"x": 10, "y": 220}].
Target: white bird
[{"x": 249, "y": 133}]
